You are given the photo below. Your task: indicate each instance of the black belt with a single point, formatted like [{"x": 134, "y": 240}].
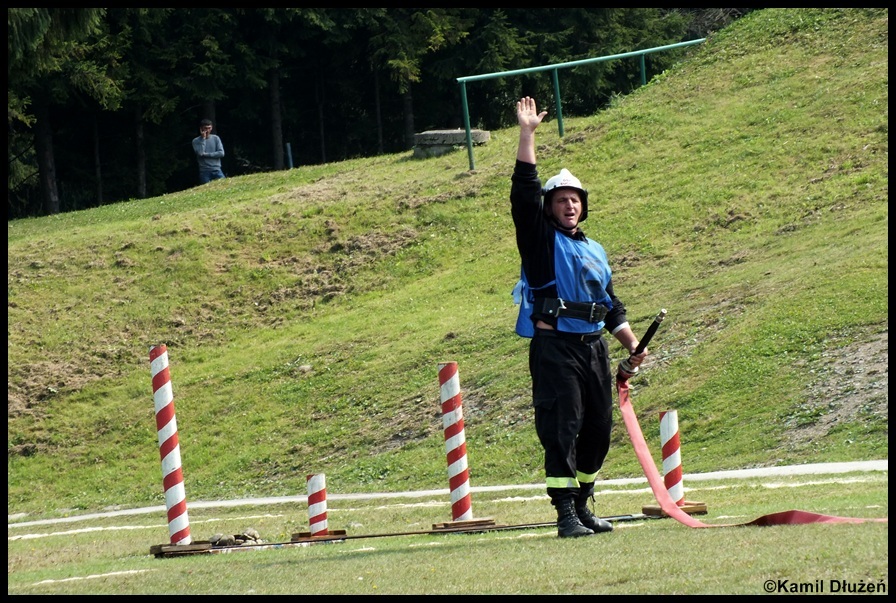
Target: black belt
[
  {"x": 579, "y": 337},
  {"x": 554, "y": 306}
]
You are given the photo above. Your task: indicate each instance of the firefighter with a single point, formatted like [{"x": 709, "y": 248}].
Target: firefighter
[{"x": 567, "y": 296}]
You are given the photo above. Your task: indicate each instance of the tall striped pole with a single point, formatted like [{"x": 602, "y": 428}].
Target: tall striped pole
[
  {"x": 672, "y": 474},
  {"x": 317, "y": 504},
  {"x": 455, "y": 442},
  {"x": 169, "y": 448}
]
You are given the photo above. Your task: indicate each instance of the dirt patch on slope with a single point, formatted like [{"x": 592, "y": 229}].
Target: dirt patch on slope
[{"x": 849, "y": 383}]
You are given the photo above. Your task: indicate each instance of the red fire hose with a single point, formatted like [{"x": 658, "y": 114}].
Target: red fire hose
[{"x": 657, "y": 485}]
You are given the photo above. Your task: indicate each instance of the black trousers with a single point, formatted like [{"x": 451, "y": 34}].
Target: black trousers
[{"x": 573, "y": 399}]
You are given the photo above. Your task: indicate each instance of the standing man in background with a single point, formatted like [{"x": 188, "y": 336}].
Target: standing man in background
[
  {"x": 209, "y": 150},
  {"x": 569, "y": 300}
]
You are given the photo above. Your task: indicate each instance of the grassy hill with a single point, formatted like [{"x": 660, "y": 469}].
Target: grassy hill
[{"x": 306, "y": 312}]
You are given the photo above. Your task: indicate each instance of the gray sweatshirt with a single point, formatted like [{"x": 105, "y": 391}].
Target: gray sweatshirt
[{"x": 208, "y": 152}]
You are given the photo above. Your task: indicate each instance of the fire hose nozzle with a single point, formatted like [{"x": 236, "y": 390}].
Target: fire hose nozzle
[{"x": 626, "y": 370}]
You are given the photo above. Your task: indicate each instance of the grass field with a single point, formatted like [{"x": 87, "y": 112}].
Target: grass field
[
  {"x": 306, "y": 311},
  {"x": 642, "y": 556}
]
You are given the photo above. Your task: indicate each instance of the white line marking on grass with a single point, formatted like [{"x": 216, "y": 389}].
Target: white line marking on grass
[
  {"x": 92, "y": 576},
  {"x": 149, "y": 527},
  {"x": 81, "y": 531}
]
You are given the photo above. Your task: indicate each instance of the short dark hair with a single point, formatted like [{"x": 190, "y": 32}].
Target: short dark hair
[{"x": 205, "y": 122}]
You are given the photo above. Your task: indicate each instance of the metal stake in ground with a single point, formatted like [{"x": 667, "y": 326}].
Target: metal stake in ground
[
  {"x": 456, "y": 451},
  {"x": 673, "y": 476},
  {"x": 317, "y": 504},
  {"x": 317, "y": 513},
  {"x": 169, "y": 447},
  {"x": 455, "y": 442},
  {"x": 671, "y": 443}
]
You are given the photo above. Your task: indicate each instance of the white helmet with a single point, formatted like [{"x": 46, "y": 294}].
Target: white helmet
[{"x": 565, "y": 180}]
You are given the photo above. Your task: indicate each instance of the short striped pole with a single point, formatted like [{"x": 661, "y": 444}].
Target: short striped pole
[
  {"x": 317, "y": 504},
  {"x": 455, "y": 442},
  {"x": 169, "y": 448},
  {"x": 671, "y": 455}
]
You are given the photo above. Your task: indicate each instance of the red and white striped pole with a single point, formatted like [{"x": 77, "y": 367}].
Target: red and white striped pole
[
  {"x": 671, "y": 455},
  {"x": 169, "y": 447},
  {"x": 317, "y": 504},
  {"x": 455, "y": 442}
]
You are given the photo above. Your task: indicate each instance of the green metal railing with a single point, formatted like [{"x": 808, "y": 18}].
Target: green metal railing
[{"x": 554, "y": 69}]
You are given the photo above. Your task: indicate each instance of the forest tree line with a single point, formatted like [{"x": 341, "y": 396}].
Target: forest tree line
[{"x": 103, "y": 102}]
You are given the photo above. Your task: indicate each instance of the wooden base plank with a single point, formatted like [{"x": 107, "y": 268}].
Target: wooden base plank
[
  {"x": 689, "y": 507},
  {"x": 170, "y": 550},
  {"x": 307, "y": 535},
  {"x": 465, "y": 524}
]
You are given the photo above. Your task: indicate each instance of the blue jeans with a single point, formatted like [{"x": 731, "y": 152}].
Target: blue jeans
[{"x": 206, "y": 177}]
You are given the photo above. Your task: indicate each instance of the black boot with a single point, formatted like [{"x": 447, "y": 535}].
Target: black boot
[
  {"x": 568, "y": 523},
  {"x": 590, "y": 520},
  {"x": 593, "y": 522}
]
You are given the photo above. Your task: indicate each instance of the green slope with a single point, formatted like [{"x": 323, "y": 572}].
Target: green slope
[{"x": 306, "y": 311}]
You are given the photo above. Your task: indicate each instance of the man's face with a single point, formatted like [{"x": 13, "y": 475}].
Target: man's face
[
  {"x": 205, "y": 130},
  {"x": 566, "y": 207}
]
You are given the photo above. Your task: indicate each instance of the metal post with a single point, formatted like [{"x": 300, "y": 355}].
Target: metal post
[
  {"x": 553, "y": 68},
  {"x": 557, "y": 101},
  {"x": 463, "y": 98}
]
